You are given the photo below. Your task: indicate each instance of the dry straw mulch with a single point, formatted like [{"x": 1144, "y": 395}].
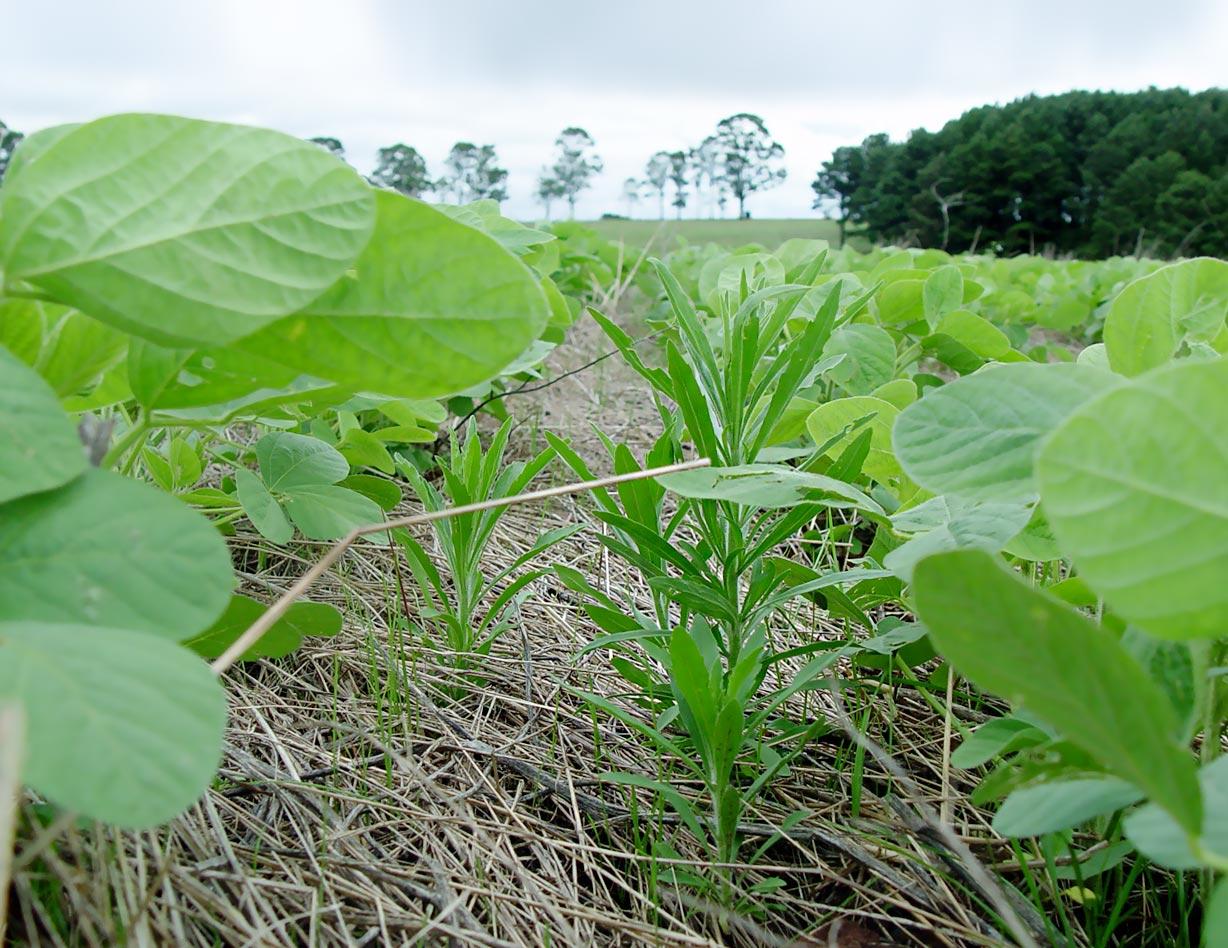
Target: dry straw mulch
[{"x": 371, "y": 795}]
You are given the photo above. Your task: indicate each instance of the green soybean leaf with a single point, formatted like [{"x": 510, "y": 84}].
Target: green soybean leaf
[
  {"x": 121, "y": 727},
  {"x": 1135, "y": 486},
  {"x": 1062, "y": 804},
  {"x": 432, "y": 307},
  {"x": 261, "y": 507},
  {"x": 41, "y": 449},
  {"x": 111, "y": 551},
  {"x": 900, "y": 303},
  {"x": 363, "y": 449},
  {"x": 978, "y": 435},
  {"x": 1037, "y": 652},
  {"x": 1151, "y": 318},
  {"x": 976, "y": 333},
  {"x": 24, "y": 324},
  {"x": 996, "y": 738},
  {"x": 289, "y": 461},
  {"x": 213, "y": 384},
  {"x": 1035, "y": 542},
  {"x": 381, "y": 490},
  {"x": 286, "y": 635},
  {"x": 249, "y": 225},
  {"x": 1163, "y": 839},
  {"x": 952, "y": 523},
  {"x": 899, "y": 392},
  {"x": 766, "y": 485},
  {"x": 77, "y": 351},
  {"x": 328, "y": 512},
  {"x": 829, "y": 419},
  {"x": 943, "y": 293},
  {"x": 869, "y": 357}
]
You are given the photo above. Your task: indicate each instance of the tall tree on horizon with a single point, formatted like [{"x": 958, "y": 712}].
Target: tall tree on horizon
[
  {"x": 679, "y": 168},
  {"x": 632, "y": 191},
  {"x": 9, "y": 140},
  {"x": 576, "y": 165},
  {"x": 549, "y": 189},
  {"x": 473, "y": 174},
  {"x": 656, "y": 177},
  {"x": 401, "y": 168},
  {"x": 328, "y": 143},
  {"x": 749, "y": 158}
]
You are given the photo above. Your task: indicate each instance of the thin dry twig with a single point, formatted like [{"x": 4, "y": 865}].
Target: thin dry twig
[
  {"x": 12, "y": 747},
  {"x": 266, "y": 621}
]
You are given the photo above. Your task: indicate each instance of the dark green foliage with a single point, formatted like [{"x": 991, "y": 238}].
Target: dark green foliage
[
  {"x": 9, "y": 140},
  {"x": 1092, "y": 173},
  {"x": 401, "y": 168}
]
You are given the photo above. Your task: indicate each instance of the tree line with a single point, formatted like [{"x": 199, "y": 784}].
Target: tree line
[
  {"x": 1087, "y": 173},
  {"x": 738, "y": 159}
]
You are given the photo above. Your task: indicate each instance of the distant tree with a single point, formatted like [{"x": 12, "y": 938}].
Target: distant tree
[
  {"x": 679, "y": 168},
  {"x": 576, "y": 165},
  {"x": 9, "y": 140},
  {"x": 549, "y": 189},
  {"x": 330, "y": 144},
  {"x": 656, "y": 177},
  {"x": 473, "y": 174},
  {"x": 837, "y": 181},
  {"x": 400, "y": 168},
  {"x": 705, "y": 168},
  {"x": 632, "y": 191},
  {"x": 750, "y": 159}
]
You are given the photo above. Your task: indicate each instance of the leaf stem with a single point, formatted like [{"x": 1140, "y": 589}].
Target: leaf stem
[{"x": 130, "y": 437}]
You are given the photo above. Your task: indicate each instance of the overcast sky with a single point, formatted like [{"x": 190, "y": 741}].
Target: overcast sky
[{"x": 640, "y": 75}]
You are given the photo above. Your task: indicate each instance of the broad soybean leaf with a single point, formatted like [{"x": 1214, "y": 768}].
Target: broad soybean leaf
[
  {"x": 249, "y": 225},
  {"x": 767, "y": 486},
  {"x": 77, "y": 351},
  {"x": 975, "y": 332},
  {"x": 1036, "y": 541},
  {"x": 381, "y": 490},
  {"x": 1034, "y": 651},
  {"x": 943, "y": 293},
  {"x": 869, "y": 357},
  {"x": 952, "y": 523},
  {"x": 107, "y": 550},
  {"x": 288, "y": 461},
  {"x": 261, "y": 507},
  {"x": 286, "y": 635},
  {"x": 24, "y": 325},
  {"x": 1135, "y": 486},
  {"x": 996, "y": 738},
  {"x": 227, "y": 380},
  {"x": 1162, "y": 839},
  {"x": 41, "y": 449},
  {"x": 122, "y": 727},
  {"x": 328, "y": 512},
  {"x": 978, "y": 435},
  {"x": 1154, "y": 315},
  {"x": 831, "y": 418},
  {"x": 432, "y": 307},
  {"x": 900, "y": 303},
  {"x": 1062, "y": 804},
  {"x": 899, "y": 392}
]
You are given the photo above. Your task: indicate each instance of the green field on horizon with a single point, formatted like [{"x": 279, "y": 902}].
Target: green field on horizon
[{"x": 770, "y": 232}]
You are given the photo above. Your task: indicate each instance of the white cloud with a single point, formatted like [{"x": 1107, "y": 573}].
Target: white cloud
[{"x": 640, "y": 75}]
